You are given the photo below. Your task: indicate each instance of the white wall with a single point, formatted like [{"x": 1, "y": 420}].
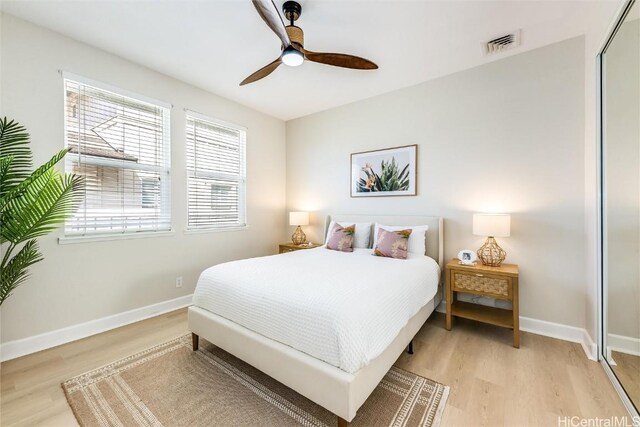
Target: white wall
[
  {"x": 80, "y": 282},
  {"x": 507, "y": 137}
]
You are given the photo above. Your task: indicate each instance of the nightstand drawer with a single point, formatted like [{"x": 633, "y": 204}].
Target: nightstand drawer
[{"x": 491, "y": 285}]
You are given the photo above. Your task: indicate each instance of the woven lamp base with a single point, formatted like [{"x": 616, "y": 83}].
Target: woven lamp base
[
  {"x": 298, "y": 236},
  {"x": 491, "y": 254}
]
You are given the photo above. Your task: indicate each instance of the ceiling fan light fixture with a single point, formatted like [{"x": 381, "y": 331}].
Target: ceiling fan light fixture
[{"x": 292, "y": 57}]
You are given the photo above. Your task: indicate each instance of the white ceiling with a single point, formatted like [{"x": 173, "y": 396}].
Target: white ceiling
[{"x": 215, "y": 44}]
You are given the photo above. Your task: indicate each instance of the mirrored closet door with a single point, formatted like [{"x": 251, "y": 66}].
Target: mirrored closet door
[{"x": 620, "y": 134}]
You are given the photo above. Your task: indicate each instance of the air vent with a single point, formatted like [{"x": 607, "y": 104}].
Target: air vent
[{"x": 504, "y": 42}]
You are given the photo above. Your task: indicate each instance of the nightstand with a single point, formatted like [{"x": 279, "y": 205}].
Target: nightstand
[
  {"x": 495, "y": 282},
  {"x": 290, "y": 247}
]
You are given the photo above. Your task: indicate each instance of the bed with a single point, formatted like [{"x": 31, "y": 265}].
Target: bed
[{"x": 292, "y": 317}]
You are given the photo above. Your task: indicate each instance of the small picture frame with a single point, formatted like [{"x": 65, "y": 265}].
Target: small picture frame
[{"x": 467, "y": 257}]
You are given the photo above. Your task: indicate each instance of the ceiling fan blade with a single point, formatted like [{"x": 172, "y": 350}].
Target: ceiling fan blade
[
  {"x": 339, "y": 60},
  {"x": 262, "y": 72},
  {"x": 269, "y": 13}
]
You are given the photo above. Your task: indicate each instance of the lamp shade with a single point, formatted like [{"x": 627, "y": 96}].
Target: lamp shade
[
  {"x": 494, "y": 225},
  {"x": 298, "y": 218}
]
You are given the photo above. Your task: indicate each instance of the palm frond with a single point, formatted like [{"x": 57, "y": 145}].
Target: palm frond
[
  {"x": 15, "y": 272},
  {"x": 14, "y": 142},
  {"x": 41, "y": 207},
  {"x": 5, "y": 165},
  {"x": 17, "y": 190}
]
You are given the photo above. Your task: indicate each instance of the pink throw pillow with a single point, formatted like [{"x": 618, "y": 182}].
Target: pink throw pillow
[
  {"x": 392, "y": 244},
  {"x": 341, "y": 238}
]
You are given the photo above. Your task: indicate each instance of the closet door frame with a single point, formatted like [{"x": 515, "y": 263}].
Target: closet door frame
[{"x": 601, "y": 215}]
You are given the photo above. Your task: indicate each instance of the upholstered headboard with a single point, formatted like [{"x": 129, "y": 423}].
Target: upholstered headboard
[{"x": 435, "y": 236}]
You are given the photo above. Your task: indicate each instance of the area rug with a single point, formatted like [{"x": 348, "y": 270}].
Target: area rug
[{"x": 171, "y": 385}]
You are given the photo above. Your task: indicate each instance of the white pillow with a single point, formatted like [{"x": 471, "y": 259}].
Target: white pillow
[
  {"x": 417, "y": 239},
  {"x": 362, "y": 235}
]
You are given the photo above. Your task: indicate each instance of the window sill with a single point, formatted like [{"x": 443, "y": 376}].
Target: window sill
[
  {"x": 215, "y": 230},
  {"x": 68, "y": 240}
]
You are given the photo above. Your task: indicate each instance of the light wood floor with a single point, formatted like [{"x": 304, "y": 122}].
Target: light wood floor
[
  {"x": 491, "y": 382},
  {"x": 627, "y": 369}
]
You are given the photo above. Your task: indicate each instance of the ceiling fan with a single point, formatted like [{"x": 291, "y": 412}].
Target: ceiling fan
[{"x": 292, "y": 37}]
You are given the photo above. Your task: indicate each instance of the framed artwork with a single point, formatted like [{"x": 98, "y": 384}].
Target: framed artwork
[{"x": 387, "y": 172}]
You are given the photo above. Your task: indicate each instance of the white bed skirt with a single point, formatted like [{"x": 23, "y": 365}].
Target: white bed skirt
[{"x": 336, "y": 390}]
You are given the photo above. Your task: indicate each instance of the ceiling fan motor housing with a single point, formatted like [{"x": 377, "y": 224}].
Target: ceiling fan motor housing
[{"x": 292, "y": 10}]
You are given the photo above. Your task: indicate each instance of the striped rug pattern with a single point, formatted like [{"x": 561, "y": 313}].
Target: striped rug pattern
[{"x": 170, "y": 385}]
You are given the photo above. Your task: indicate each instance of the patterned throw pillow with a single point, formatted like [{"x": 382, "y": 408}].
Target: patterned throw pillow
[
  {"x": 392, "y": 244},
  {"x": 341, "y": 238}
]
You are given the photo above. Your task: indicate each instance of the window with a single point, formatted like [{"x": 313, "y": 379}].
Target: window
[
  {"x": 150, "y": 193},
  {"x": 215, "y": 173},
  {"x": 120, "y": 145}
]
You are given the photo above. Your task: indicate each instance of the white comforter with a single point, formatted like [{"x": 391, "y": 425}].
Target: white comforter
[{"x": 342, "y": 308}]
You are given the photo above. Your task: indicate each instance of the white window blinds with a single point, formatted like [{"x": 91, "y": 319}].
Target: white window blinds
[
  {"x": 120, "y": 145},
  {"x": 216, "y": 173}
]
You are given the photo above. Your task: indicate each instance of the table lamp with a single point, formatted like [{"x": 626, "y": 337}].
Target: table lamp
[
  {"x": 298, "y": 219},
  {"x": 492, "y": 226}
]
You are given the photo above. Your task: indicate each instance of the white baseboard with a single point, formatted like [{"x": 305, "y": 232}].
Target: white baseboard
[
  {"x": 622, "y": 344},
  {"x": 12, "y": 349},
  {"x": 562, "y": 332},
  {"x": 589, "y": 346},
  {"x": 554, "y": 330}
]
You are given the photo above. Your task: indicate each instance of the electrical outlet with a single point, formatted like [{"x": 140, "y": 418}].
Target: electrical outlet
[{"x": 179, "y": 282}]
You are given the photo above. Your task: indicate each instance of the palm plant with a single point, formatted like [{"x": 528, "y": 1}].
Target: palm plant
[
  {"x": 391, "y": 178},
  {"x": 32, "y": 204}
]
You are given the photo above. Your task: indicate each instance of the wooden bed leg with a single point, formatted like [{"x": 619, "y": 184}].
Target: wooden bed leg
[
  {"x": 342, "y": 422},
  {"x": 194, "y": 341},
  {"x": 410, "y": 347}
]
